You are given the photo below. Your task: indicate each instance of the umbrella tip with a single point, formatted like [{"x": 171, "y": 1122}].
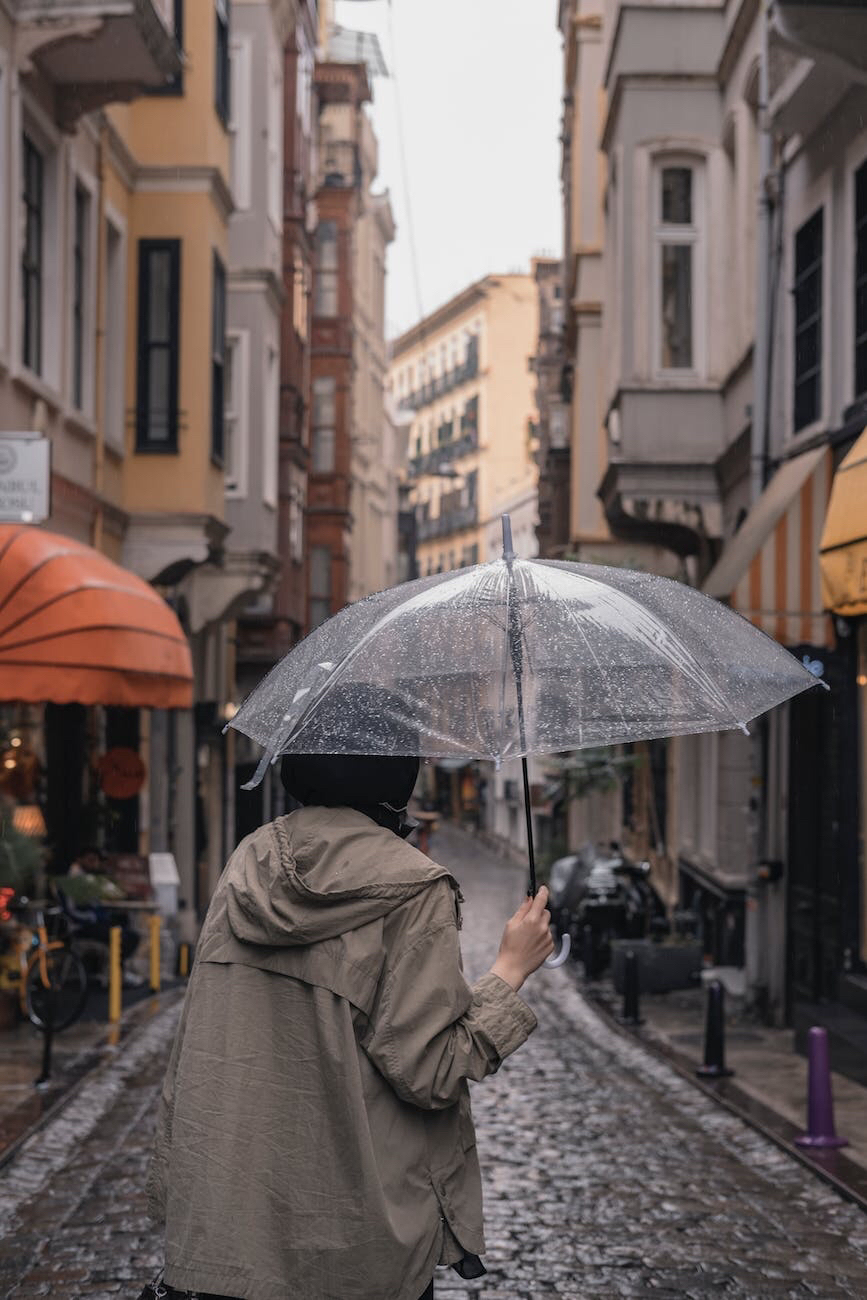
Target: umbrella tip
[{"x": 508, "y": 550}]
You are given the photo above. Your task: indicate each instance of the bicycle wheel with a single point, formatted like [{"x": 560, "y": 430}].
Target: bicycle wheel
[{"x": 64, "y": 1000}]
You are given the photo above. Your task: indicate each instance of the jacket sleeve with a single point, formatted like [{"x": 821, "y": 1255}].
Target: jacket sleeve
[{"x": 430, "y": 1030}]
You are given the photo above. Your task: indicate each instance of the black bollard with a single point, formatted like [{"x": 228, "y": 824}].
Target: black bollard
[
  {"x": 587, "y": 951},
  {"x": 44, "y": 1079},
  {"x": 631, "y": 990},
  {"x": 714, "y": 1035}
]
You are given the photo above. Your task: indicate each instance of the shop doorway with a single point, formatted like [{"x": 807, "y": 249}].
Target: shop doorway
[{"x": 821, "y": 838}]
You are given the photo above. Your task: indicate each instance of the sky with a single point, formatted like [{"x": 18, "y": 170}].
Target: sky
[{"x": 478, "y": 86}]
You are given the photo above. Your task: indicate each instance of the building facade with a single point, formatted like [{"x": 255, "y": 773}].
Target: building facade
[
  {"x": 727, "y": 404},
  {"x": 464, "y": 374}
]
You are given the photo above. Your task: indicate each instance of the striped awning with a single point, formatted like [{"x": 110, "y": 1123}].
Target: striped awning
[{"x": 769, "y": 569}]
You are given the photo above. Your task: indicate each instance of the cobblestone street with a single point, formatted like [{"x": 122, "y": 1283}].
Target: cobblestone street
[{"x": 606, "y": 1174}]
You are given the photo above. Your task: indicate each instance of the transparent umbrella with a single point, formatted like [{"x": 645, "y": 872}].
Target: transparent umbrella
[{"x": 518, "y": 657}]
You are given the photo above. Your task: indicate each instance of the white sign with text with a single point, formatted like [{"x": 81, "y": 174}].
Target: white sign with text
[{"x": 25, "y": 479}]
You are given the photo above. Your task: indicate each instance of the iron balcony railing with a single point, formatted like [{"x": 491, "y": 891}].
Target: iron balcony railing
[
  {"x": 451, "y": 521},
  {"x": 430, "y": 462},
  {"x": 445, "y": 383}
]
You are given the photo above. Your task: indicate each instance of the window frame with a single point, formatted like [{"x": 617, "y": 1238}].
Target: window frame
[
  {"x": 323, "y": 597},
  {"x": 321, "y": 271},
  {"x": 143, "y": 443},
  {"x": 219, "y": 305},
  {"x": 222, "y": 62},
  {"x": 317, "y": 429},
  {"x": 115, "y": 323},
  {"x": 692, "y": 234},
  {"x": 174, "y": 87},
  {"x": 271, "y": 425},
  {"x": 239, "y": 123},
  {"x": 819, "y": 268},
  {"x": 237, "y": 446},
  {"x": 30, "y": 270}
]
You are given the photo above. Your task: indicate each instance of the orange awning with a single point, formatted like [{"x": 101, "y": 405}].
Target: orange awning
[
  {"x": 844, "y": 540},
  {"x": 77, "y": 628}
]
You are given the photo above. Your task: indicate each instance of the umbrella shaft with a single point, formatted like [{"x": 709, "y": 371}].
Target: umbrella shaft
[{"x": 529, "y": 815}]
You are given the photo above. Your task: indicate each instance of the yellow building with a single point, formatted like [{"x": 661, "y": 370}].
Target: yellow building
[{"x": 463, "y": 375}]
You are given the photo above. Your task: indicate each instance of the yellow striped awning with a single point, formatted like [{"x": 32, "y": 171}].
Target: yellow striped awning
[
  {"x": 769, "y": 569},
  {"x": 844, "y": 540}
]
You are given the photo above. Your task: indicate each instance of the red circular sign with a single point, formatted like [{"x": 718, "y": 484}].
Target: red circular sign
[{"x": 121, "y": 773}]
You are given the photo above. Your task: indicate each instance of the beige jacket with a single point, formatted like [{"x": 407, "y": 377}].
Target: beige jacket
[{"x": 315, "y": 1140}]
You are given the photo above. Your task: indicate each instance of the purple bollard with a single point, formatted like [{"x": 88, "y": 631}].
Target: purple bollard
[{"x": 820, "y": 1103}]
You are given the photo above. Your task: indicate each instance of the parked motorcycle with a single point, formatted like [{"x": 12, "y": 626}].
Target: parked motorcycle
[{"x": 598, "y": 894}]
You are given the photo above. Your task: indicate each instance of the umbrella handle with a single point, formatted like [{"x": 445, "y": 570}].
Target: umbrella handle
[{"x": 565, "y": 949}]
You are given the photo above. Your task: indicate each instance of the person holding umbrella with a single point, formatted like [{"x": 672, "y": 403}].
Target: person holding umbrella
[{"x": 315, "y": 1138}]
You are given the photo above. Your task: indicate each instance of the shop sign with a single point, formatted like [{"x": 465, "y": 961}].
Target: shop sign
[
  {"x": 25, "y": 479},
  {"x": 121, "y": 773}
]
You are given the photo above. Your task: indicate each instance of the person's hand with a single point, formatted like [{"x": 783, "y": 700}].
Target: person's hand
[{"x": 526, "y": 941}]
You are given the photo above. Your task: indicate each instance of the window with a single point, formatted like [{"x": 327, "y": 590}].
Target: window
[
  {"x": 79, "y": 291},
  {"x": 115, "y": 331},
  {"x": 240, "y": 123},
  {"x": 324, "y": 419},
  {"x": 235, "y": 409},
  {"x": 320, "y": 585},
  {"x": 861, "y": 280},
  {"x": 159, "y": 277},
  {"x": 221, "y": 71},
  {"x": 676, "y": 240},
  {"x": 808, "y": 321},
  {"x": 296, "y": 521},
  {"x": 218, "y": 361},
  {"x": 32, "y": 253},
  {"x": 271, "y": 422},
  {"x": 325, "y": 288},
  {"x": 176, "y": 85},
  {"x": 275, "y": 144}
]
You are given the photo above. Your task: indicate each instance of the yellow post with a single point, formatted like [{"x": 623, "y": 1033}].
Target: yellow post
[
  {"x": 154, "y": 927},
  {"x": 114, "y": 973},
  {"x": 184, "y": 961}
]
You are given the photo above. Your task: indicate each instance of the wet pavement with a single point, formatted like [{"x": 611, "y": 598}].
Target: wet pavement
[{"x": 606, "y": 1174}]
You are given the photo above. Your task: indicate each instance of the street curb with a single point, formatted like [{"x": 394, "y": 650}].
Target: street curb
[
  {"x": 846, "y": 1176},
  {"x": 89, "y": 1060}
]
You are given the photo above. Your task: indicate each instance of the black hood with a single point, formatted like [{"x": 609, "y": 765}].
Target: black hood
[{"x": 378, "y": 786}]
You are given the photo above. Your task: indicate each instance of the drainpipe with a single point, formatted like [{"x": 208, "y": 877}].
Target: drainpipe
[{"x": 762, "y": 346}]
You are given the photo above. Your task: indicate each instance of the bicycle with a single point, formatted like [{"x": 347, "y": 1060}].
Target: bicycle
[{"x": 51, "y": 978}]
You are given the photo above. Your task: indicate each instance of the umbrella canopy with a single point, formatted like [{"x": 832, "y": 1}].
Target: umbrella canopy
[
  {"x": 598, "y": 656},
  {"x": 76, "y": 628}
]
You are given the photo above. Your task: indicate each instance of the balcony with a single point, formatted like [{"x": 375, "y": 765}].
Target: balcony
[
  {"x": 450, "y": 521},
  {"x": 837, "y": 28},
  {"x": 439, "y": 385},
  {"x": 97, "y": 52},
  {"x": 434, "y": 460},
  {"x": 340, "y": 166}
]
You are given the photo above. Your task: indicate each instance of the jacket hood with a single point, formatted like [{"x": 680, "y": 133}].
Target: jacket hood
[{"x": 318, "y": 873}]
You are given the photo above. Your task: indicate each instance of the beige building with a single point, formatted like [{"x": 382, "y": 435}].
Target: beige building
[
  {"x": 464, "y": 374},
  {"x": 374, "y": 456}
]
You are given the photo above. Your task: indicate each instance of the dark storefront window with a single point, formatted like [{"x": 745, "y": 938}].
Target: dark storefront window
[
  {"x": 808, "y": 320},
  {"x": 159, "y": 273}
]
